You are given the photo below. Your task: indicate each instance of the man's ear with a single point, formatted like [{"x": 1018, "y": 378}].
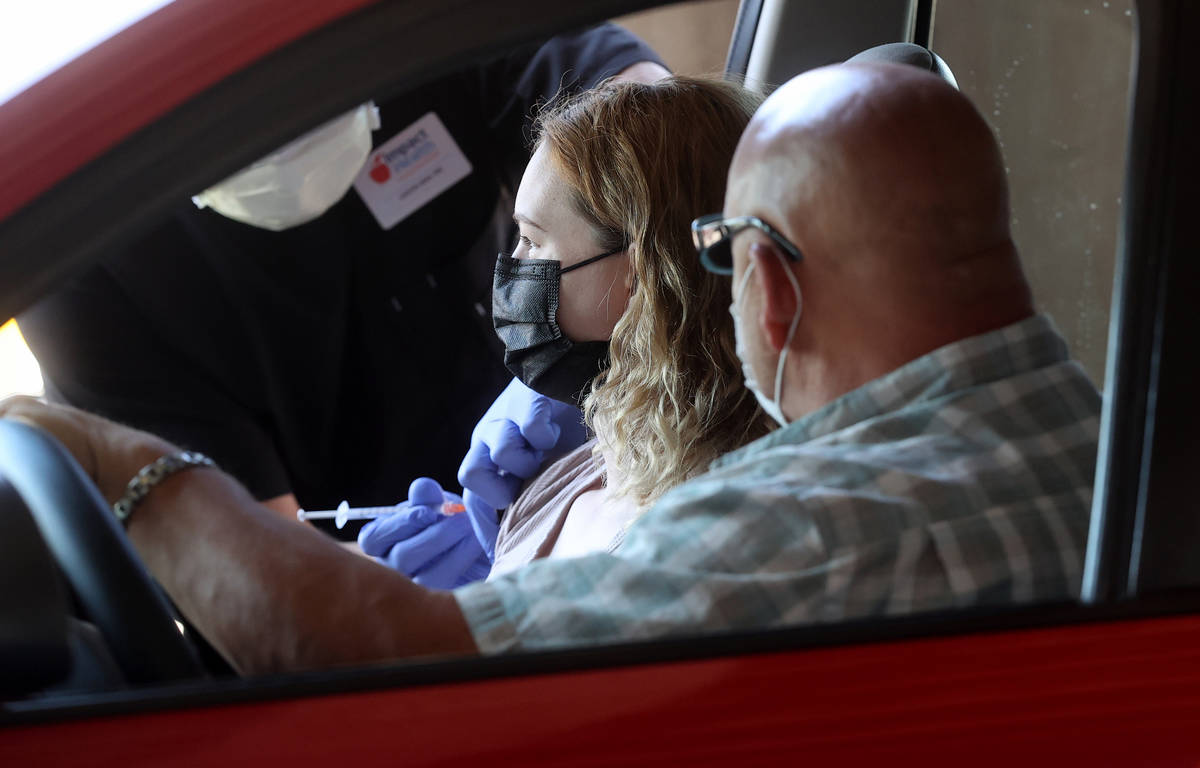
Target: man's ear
[{"x": 778, "y": 297}]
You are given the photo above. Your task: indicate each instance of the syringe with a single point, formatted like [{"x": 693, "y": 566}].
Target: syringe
[{"x": 345, "y": 512}]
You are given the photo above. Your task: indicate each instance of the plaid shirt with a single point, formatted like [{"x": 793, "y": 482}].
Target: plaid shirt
[{"x": 962, "y": 478}]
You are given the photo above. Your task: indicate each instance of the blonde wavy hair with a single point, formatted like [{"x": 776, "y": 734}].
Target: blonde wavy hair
[{"x": 643, "y": 160}]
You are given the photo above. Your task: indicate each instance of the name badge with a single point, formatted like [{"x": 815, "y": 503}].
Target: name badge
[{"x": 410, "y": 169}]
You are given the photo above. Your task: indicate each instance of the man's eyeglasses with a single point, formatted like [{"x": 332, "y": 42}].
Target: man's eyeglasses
[{"x": 713, "y": 236}]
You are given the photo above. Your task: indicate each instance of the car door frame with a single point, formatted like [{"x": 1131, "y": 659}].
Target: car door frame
[{"x": 1134, "y": 605}]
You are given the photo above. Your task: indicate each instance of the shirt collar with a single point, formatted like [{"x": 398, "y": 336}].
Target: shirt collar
[{"x": 1024, "y": 346}]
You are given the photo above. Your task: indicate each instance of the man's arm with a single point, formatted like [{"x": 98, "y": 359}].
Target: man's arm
[
  {"x": 270, "y": 595},
  {"x": 273, "y": 596},
  {"x": 286, "y": 506}
]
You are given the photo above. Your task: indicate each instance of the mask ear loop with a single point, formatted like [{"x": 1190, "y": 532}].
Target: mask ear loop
[
  {"x": 791, "y": 332},
  {"x": 585, "y": 262},
  {"x": 741, "y": 288}
]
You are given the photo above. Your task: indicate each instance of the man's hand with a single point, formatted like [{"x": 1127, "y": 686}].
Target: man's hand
[
  {"x": 434, "y": 549},
  {"x": 111, "y": 454},
  {"x": 519, "y": 432}
]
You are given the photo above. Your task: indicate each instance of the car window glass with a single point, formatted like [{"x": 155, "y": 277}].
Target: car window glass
[
  {"x": 1053, "y": 80},
  {"x": 692, "y": 38}
]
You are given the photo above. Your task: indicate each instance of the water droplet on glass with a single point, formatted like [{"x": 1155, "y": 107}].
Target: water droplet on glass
[{"x": 1093, "y": 206}]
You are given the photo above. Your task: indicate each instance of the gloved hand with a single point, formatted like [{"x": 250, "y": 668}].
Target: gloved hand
[
  {"x": 519, "y": 432},
  {"x": 434, "y": 549}
]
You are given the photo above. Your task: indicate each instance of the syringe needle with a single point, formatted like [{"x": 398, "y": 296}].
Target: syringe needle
[{"x": 345, "y": 512}]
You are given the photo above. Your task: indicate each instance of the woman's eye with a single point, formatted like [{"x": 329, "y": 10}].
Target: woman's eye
[{"x": 525, "y": 241}]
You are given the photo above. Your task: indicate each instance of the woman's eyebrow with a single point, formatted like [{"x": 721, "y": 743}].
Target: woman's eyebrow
[{"x": 522, "y": 219}]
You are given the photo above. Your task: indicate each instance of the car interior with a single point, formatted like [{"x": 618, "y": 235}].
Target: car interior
[{"x": 1090, "y": 119}]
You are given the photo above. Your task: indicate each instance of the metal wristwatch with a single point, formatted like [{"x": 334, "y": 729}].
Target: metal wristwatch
[{"x": 154, "y": 473}]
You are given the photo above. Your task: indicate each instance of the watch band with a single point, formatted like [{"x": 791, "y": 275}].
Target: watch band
[{"x": 154, "y": 473}]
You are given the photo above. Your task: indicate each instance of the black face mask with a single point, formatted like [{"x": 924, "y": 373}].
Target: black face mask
[{"x": 536, "y": 351}]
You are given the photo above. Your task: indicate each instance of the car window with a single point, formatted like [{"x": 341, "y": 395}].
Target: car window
[
  {"x": 1053, "y": 80},
  {"x": 691, "y": 37}
]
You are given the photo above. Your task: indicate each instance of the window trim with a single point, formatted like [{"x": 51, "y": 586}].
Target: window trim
[
  {"x": 1148, "y": 420},
  {"x": 961, "y": 624}
]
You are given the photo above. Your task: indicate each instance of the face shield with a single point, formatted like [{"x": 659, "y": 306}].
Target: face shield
[{"x": 300, "y": 181}]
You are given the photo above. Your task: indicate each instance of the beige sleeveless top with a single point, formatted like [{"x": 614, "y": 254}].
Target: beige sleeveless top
[{"x": 531, "y": 526}]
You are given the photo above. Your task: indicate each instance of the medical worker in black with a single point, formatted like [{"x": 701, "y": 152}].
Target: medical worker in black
[{"x": 340, "y": 358}]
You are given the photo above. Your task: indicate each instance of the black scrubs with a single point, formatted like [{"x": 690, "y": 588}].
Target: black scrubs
[{"x": 334, "y": 360}]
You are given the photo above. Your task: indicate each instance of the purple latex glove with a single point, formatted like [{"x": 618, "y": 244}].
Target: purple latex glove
[
  {"x": 434, "y": 549},
  {"x": 518, "y": 434}
]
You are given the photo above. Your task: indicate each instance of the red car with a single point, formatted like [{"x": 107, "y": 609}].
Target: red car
[{"x": 102, "y": 146}]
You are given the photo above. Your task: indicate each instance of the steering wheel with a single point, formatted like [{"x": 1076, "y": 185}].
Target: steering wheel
[{"x": 109, "y": 581}]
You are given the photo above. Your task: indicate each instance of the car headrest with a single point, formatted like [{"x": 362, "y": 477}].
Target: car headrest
[{"x": 907, "y": 53}]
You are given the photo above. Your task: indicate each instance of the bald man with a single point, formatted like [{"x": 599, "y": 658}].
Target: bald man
[{"x": 936, "y": 445}]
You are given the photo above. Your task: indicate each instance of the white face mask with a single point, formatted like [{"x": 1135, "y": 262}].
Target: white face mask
[
  {"x": 302, "y": 180},
  {"x": 772, "y": 406}
]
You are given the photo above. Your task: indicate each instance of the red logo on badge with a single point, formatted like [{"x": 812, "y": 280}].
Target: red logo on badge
[{"x": 380, "y": 172}]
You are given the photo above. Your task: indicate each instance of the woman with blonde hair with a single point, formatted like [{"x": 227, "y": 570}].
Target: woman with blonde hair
[{"x": 604, "y": 300}]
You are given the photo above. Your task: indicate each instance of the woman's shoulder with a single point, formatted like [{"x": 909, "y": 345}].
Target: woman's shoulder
[
  {"x": 583, "y": 461},
  {"x": 531, "y": 525}
]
